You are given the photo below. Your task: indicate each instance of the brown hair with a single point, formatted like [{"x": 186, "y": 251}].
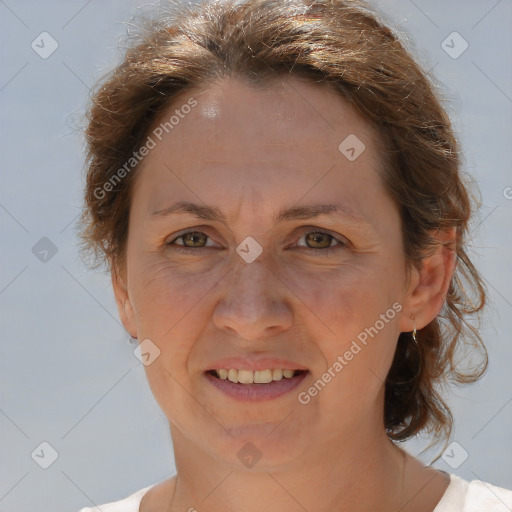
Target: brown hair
[{"x": 342, "y": 43}]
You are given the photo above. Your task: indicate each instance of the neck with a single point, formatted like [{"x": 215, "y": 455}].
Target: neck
[{"x": 352, "y": 471}]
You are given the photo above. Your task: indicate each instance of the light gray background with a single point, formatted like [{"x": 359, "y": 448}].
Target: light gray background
[{"x": 67, "y": 371}]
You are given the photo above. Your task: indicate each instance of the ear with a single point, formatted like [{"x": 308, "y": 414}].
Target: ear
[
  {"x": 429, "y": 284},
  {"x": 124, "y": 305}
]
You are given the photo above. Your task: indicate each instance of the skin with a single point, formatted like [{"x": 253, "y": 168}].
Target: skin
[{"x": 251, "y": 152}]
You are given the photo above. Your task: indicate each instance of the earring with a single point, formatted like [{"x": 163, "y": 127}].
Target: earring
[{"x": 414, "y": 333}]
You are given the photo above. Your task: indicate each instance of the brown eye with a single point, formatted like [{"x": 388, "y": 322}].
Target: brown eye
[
  {"x": 319, "y": 240},
  {"x": 195, "y": 238},
  {"x": 320, "y": 243},
  {"x": 191, "y": 239}
]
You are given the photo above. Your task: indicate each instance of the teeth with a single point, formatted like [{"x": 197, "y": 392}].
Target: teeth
[
  {"x": 262, "y": 376},
  {"x": 256, "y": 377},
  {"x": 277, "y": 374},
  {"x": 223, "y": 374},
  {"x": 244, "y": 376}
]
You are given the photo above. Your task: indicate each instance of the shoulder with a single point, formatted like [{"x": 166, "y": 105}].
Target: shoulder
[
  {"x": 474, "y": 496},
  {"x": 129, "y": 504}
]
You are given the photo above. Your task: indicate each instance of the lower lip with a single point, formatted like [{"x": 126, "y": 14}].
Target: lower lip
[{"x": 255, "y": 392}]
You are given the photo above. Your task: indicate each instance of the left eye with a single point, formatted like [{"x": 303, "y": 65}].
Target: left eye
[{"x": 322, "y": 239}]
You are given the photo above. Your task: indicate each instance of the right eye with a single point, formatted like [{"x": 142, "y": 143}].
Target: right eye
[{"x": 197, "y": 239}]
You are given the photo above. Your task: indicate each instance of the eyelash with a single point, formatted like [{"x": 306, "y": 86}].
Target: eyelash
[{"x": 328, "y": 251}]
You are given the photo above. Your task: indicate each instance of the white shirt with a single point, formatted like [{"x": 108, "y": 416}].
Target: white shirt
[{"x": 460, "y": 496}]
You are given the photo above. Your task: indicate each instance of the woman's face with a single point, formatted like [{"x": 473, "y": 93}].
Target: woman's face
[{"x": 324, "y": 293}]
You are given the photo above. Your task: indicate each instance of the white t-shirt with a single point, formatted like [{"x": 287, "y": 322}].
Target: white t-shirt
[{"x": 460, "y": 496}]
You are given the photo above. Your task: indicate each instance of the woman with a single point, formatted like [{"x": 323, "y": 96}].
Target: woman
[{"x": 276, "y": 190}]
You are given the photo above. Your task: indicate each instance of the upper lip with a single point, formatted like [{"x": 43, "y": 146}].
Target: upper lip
[{"x": 255, "y": 364}]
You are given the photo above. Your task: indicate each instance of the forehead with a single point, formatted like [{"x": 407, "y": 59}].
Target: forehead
[
  {"x": 283, "y": 110},
  {"x": 282, "y": 137}
]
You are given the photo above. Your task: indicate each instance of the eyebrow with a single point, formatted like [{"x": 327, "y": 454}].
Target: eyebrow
[{"x": 294, "y": 213}]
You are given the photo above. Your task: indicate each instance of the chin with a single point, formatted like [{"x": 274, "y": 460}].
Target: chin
[{"x": 260, "y": 446}]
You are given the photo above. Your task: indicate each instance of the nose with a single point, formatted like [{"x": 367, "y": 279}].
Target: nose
[{"x": 254, "y": 303}]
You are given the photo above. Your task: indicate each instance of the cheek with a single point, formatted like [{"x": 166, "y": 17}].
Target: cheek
[
  {"x": 169, "y": 308},
  {"x": 346, "y": 299},
  {"x": 164, "y": 296},
  {"x": 353, "y": 315}
]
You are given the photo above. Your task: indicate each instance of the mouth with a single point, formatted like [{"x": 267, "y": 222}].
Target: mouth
[{"x": 255, "y": 385}]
